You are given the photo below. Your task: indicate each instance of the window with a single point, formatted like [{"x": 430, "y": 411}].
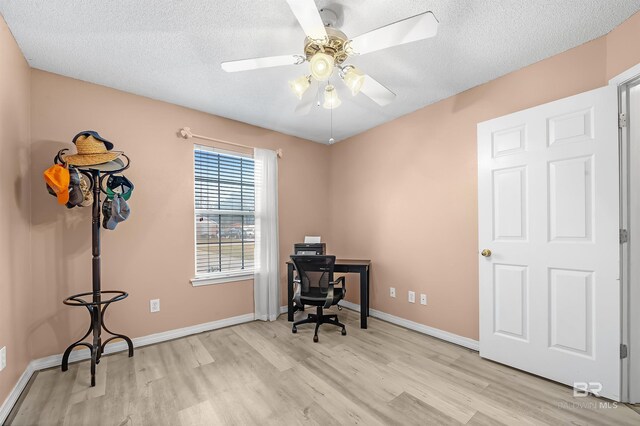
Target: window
[{"x": 224, "y": 214}]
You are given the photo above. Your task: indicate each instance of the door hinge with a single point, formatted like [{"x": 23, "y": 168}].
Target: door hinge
[
  {"x": 624, "y": 352},
  {"x": 622, "y": 120},
  {"x": 624, "y": 236}
]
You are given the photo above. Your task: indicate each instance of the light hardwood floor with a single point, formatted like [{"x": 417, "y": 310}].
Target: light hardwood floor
[{"x": 260, "y": 373}]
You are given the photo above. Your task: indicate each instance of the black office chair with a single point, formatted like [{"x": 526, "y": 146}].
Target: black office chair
[
  {"x": 315, "y": 286},
  {"x": 307, "y": 249}
]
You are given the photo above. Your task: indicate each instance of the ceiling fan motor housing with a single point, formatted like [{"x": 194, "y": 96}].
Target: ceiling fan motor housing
[
  {"x": 335, "y": 46},
  {"x": 329, "y": 17}
]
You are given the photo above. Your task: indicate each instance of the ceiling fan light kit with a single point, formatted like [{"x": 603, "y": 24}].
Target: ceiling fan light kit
[
  {"x": 331, "y": 99},
  {"x": 353, "y": 78},
  {"x": 321, "y": 66},
  {"x": 326, "y": 48},
  {"x": 300, "y": 85}
]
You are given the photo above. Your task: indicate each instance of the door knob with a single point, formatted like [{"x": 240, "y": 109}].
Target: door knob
[{"x": 486, "y": 253}]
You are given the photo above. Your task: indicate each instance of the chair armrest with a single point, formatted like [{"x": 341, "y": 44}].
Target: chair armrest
[
  {"x": 342, "y": 281},
  {"x": 297, "y": 284},
  {"x": 339, "y": 280},
  {"x": 329, "y": 301}
]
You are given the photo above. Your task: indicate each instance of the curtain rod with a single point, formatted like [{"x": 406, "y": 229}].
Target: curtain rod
[{"x": 186, "y": 133}]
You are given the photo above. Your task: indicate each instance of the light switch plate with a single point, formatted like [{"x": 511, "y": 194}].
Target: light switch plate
[
  {"x": 3, "y": 357},
  {"x": 154, "y": 305},
  {"x": 392, "y": 292},
  {"x": 423, "y": 299},
  {"x": 412, "y": 296}
]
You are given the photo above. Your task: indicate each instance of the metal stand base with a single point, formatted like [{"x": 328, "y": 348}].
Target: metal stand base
[{"x": 96, "y": 308}]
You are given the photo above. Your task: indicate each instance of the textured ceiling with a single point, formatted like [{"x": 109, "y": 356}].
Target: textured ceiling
[{"x": 171, "y": 50}]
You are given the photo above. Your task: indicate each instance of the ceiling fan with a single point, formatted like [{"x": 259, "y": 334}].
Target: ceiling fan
[{"x": 327, "y": 49}]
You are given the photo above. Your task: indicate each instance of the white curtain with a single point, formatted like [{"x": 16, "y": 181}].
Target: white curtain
[{"x": 266, "y": 291}]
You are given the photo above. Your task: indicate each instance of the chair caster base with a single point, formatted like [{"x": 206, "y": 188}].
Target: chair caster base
[
  {"x": 294, "y": 330},
  {"x": 344, "y": 332},
  {"x": 315, "y": 338}
]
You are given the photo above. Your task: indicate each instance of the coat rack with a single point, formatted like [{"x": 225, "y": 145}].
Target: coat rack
[{"x": 96, "y": 304}]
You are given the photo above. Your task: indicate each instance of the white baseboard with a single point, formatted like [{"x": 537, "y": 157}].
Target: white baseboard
[
  {"x": 351, "y": 305},
  {"x": 425, "y": 329},
  {"x": 13, "y": 396},
  {"x": 420, "y": 328},
  {"x": 120, "y": 345}
]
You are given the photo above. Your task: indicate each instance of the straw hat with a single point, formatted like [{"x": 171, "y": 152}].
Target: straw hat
[{"x": 91, "y": 151}]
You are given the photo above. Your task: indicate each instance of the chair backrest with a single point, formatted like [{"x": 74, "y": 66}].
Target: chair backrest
[{"x": 315, "y": 272}]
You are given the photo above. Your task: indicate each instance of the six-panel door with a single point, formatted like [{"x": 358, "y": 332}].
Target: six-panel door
[{"x": 549, "y": 213}]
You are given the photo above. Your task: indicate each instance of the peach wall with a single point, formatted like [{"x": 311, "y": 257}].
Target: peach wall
[
  {"x": 623, "y": 49},
  {"x": 15, "y": 208},
  {"x": 405, "y": 193},
  {"x": 151, "y": 255}
]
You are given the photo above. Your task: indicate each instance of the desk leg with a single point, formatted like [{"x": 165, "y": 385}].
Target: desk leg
[
  {"x": 368, "y": 291},
  {"x": 289, "y": 292},
  {"x": 364, "y": 298}
]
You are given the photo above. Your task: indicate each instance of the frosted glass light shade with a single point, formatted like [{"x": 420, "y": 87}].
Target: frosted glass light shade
[
  {"x": 353, "y": 78},
  {"x": 299, "y": 86},
  {"x": 321, "y": 66},
  {"x": 331, "y": 99}
]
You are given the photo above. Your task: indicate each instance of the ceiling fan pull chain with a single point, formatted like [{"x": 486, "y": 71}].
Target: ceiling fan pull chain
[{"x": 331, "y": 140}]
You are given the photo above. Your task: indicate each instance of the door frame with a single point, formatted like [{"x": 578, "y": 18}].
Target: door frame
[{"x": 628, "y": 278}]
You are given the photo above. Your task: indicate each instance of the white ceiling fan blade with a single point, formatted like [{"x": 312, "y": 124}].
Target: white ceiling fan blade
[
  {"x": 376, "y": 91},
  {"x": 257, "y": 63},
  {"x": 309, "y": 99},
  {"x": 307, "y": 14},
  {"x": 411, "y": 29}
]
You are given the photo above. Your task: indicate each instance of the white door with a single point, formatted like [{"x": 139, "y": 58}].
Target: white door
[{"x": 549, "y": 212}]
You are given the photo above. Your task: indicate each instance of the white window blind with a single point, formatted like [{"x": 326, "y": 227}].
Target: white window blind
[{"x": 224, "y": 212}]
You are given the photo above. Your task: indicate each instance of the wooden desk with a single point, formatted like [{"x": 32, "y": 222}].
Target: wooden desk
[{"x": 355, "y": 266}]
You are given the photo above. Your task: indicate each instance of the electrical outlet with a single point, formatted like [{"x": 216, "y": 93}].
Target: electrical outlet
[
  {"x": 392, "y": 291},
  {"x": 412, "y": 296},
  {"x": 3, "y": 357},
  {"x": 423, "y": 299},
  {"x": 154, "y": 305}
]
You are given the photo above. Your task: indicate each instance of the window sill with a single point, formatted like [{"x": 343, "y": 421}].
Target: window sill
[{"x": 221, "y": 278}]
